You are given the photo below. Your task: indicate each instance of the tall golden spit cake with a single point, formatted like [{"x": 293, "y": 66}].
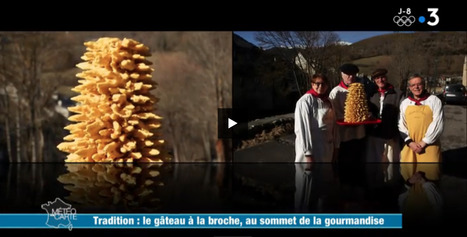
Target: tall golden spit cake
[
  {"x": 356, "y": 105},
  {"x": 114, "y": 112}
]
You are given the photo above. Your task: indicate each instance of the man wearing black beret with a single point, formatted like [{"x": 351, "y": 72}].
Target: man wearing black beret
[
  {"x": 349, "y": 69},
  {"x": 350, "y": 139}
]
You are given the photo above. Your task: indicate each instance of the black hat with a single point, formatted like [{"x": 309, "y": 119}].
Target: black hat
[
  {"x": 349, "y": 69},
  {"x": 379, "y": 72}
]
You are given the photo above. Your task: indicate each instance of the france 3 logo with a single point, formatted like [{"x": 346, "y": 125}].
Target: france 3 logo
[{"x": 404, "y": 17}]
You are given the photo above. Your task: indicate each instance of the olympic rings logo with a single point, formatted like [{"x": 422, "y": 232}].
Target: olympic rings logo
[{"x": 404, "y": 20}]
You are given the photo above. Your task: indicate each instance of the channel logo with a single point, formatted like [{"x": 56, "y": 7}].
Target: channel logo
[
  {"x": 404, "y": 20},
  {"x": 404, "y": 17}
]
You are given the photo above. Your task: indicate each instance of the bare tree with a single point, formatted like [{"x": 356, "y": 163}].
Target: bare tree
[
  {"x": 311, "y": 50},
  {"x": 407, "y": 58},
  {"x": 5, "y": 98},
  {"x": 12, "y": 100},
  {"x": 29, "y": 53},
  {"x": 181, "y": 93},
  {"x": 213, "y": 52},
  {"x": 193, "y": 71}
]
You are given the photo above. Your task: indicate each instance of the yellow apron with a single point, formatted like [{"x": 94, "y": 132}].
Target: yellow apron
[{"x": 418, "y": 118}]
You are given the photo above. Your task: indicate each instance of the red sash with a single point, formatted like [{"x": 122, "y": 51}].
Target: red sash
[
  {"x": 324, "y": 97},
  {"x": 417, "y": 101}
]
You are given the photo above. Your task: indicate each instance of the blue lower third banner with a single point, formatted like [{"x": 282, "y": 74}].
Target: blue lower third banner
[{"x": 199, "y": 221}]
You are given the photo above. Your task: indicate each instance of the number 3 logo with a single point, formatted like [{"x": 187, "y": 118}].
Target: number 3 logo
[{"x": 433, "y": 15}]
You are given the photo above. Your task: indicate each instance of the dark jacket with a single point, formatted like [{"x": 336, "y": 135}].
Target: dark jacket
[{"x": 388, "y": 128}]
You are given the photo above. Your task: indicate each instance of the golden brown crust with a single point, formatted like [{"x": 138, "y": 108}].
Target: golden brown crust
[
  {"x": 114, "y": 112},
  {"x": 356, "y": 105}
]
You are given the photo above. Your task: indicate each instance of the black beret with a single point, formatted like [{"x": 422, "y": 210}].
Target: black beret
[
  {"x": 379, "y": 72},
  {"x": 349, "y": 68}
]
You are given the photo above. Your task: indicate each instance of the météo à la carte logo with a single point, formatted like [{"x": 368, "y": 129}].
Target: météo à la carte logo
[{"x": 59, "y": 214}]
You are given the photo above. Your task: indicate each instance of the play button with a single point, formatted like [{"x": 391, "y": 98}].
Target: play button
[{"x": 231, "y": 123}]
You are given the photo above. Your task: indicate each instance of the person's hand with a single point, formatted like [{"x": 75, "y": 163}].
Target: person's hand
[
  {"x": 422, "y": 144},
  {"x": 309, "y": 159},
  {"x": 416, "y": 147},
  {"x": 309, "y": 162}
]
